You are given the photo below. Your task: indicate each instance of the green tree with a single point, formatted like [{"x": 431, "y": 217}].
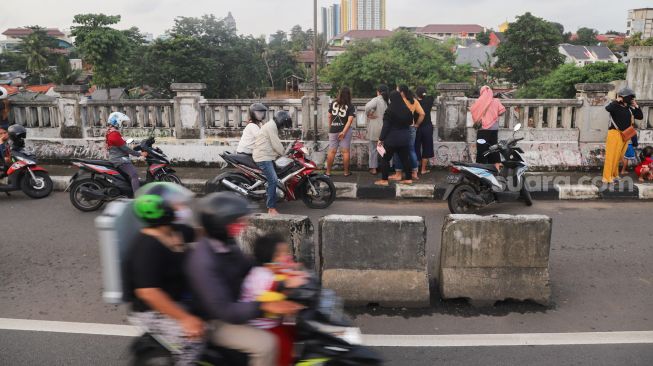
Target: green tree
[
  {"x": 586, "y": 37},
  {"x": 13, "y": 61},
  {"x": 566, "y": 36},
  {"x": 103, "y": 47},
  {"x": 300, "y": 40},
  {"x": 484, "y": 37},
  {"x": 531, "y": 49},
  {"x": 36, "y": 47},
  {"x": 561, "y": 82},
  {"x": 400, "y": 59},
  {"x": 64, "y": 73}
]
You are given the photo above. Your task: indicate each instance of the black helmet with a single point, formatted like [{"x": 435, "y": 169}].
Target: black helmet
[
  {"x": 627, "y": 92},
  {"x": 218, "y": 210},
  {"x": 258, "y": 112},
  {"x": 155, "y": 202},
  {"x": 283, "y": 119},
  {"x": 17, "y": 132}
]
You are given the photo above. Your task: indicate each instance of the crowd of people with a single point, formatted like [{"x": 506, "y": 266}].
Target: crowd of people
[{"x": 185, "y": 294}]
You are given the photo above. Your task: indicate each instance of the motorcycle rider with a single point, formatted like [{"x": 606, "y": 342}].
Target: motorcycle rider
[
  {"x": 5, "y": 153},
  {"x": 154, "y": 281},
  {"x": 216, "y": 270},
  {"x": 257, "y": 114},
  {"x": 119, "y": 151},
  {"x": 268, "y": 148}
]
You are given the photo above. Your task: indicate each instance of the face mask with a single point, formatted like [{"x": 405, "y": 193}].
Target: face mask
[
  {"x": 235, "y": 229},
  {"x": 184, "y": 216}
]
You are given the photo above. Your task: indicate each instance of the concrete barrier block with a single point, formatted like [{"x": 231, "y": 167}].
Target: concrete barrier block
[
  {"x": 415, "y": 191},
  {"x": 492, "y": 258},
  {"x": 645, "y": 191},
  {"x": 375, "y": 259},
  {"x": 346, "y": 190},
  {"x": 298, "y": 230},
  {"x": 578, "y": 192},
  {"x": 59, "y": 183}
]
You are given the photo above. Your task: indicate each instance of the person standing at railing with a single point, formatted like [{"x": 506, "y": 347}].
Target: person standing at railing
[
  {"x": 374, "y": 110},
  {"x": 341, "y": 117},
  {"x": 424, "y": 137},
  {"x": 416, "y": 108},
  {"x": 485, "y": 113}
]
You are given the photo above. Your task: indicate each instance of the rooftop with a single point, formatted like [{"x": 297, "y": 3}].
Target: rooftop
[
  {"x": 451, "y": 28},
  {"x": 24, "y": 32},
  {"x": 587, "y": 52},
  {"x": 364, "y": 34}
]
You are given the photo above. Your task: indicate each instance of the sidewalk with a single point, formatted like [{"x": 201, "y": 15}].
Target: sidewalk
[{"x": 360, "y": 185}]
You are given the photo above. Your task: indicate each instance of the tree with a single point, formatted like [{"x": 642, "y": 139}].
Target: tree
[
  {"x": 300, "y": 40},
  {"x": 36, "y": 48},
  {"x": 531, "y": 49},
  {"x": 400, "y": 59},
  {"x": 13, "y": 61},
  {"x": 64, "y": 73},
  {"x": 103, "y": 47},
  {"x": 566, "y": 36},
  {"x": 613, "y": 33},
  {"x": 561, "y": 82},
  {"x": 586, "y": 37},
  {"x": 484, "y": 37}
]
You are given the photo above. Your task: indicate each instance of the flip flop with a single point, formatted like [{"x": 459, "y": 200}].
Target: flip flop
[{"x": 347, "y": 175}]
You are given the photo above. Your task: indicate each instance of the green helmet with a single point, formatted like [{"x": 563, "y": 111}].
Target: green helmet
[{"x": 155, "y": 202}]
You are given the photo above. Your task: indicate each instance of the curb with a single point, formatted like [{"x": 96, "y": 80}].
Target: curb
[{"x": 434, "y": 192}]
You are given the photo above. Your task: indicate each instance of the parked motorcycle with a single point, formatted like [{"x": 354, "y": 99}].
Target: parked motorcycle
[
  {"x": 24, "y": 174},
  {"x": 473, "y": 186},
  {"x": 99, "y": 181},
  {"x": 297, "y": 178},
  {"x": 324, "y": 336}
]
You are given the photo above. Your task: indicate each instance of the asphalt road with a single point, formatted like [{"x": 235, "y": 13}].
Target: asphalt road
[{"x": 601, "y": 275}]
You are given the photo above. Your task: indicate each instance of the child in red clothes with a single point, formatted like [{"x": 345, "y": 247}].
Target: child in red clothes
[
  {"x": 274, "y": 273},
  {"x": 645, "y": 169}
]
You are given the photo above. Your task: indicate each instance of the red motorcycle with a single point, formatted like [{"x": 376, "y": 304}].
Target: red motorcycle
[
  {"x": 296, "y": 173},
  {"x": 25, "y": 175}
]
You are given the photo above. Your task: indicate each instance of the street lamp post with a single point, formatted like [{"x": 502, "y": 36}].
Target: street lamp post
[{"x": 315, "y": 70}]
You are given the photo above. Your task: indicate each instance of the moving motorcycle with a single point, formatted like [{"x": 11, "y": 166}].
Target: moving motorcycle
[
  {"x": 25, "y": 175},
  {"x": 99, "y": 181},
  {"x": 473, "y": 186},
  {"x": 297, "y": 178}
]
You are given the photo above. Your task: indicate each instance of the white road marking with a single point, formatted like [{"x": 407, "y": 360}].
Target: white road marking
[{"x": 374, "y": 340}]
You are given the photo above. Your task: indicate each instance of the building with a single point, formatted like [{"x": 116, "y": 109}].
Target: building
[
  {"x": 331, "y": 21},
  {"x": 447, "y": 31},
  {"x": 496, "y": 38},
  {"x": 640, "y": 21},
  {"x": 503, "y": 27},
  {"x": 15, "y": 36},
  {"x": 362, "y": 15},
  {"x": 478, "y": 58},
  {"x": 346, "y": 38},
  {"x": 585, "y": 55}
]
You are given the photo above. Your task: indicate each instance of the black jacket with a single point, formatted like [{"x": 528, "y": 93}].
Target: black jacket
[{"x": 622, "y": 116}]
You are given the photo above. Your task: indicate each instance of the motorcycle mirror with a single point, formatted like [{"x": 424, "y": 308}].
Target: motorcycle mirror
[
  {"x": 481, "y": 141},
  {"x": 129, "y": 141},
  {"x": 517, "y": 127}
]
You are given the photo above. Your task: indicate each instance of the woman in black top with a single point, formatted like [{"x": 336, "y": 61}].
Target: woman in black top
[
  {"x": 424, "y": 138},
  {"x": 623, "y": 111},
  {"x": 395, "y": 137}
]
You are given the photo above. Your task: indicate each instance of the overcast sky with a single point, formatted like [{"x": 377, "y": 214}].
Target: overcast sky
[{"x": 259, "y": 17}]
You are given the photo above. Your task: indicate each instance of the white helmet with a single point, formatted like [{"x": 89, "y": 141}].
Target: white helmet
[
  {"x": 116, "y": 119},
  {"x": 3, "y": 93}
]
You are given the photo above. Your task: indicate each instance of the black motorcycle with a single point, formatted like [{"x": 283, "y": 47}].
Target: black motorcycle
[
  {"x": 99, "y": 181},
  {"x": 473, "y": 186}
]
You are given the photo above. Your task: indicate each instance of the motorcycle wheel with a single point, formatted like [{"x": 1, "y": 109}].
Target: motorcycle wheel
[
  {"x": 77, "y": 198},
  {"x": 526, "y": 195},
  {"x": 457, "y": 204},
  {"x": 172, "y": 178},
  {"x": 325, "y": 195},
  {"x": 40, "y": 187}
]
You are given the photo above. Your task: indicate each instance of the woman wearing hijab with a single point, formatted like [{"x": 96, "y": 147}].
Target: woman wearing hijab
[
  {"x": 486, "y": 111},
  {"x": 374, "y": 110},
  {"x": 424, "y": 138},
  {"x": 395, "y": 137}
]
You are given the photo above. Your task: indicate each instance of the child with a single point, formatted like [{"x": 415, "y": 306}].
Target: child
[
  {"x": 275, "y": 271},
  {"x": 645, "y": 169}
]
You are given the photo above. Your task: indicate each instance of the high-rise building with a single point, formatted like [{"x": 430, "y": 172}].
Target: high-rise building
[
  {"x": 362, "y": 15},
  {"x": 331, "y": 21},
  {"x": 640, "y": 21}
]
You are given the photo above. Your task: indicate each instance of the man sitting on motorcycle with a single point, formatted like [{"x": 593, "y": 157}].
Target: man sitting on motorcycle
[
  {"x": 267, "y": 148},
  {"x": 5, "y": 151},
  {"x": 153, "y": 272},
  {"x": 119, "y": 152},
  {"x": 217, "y": 268},
  {"x": 257, "y": 114}
]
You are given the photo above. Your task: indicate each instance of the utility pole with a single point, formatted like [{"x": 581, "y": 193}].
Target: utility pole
[{"x": 315, "y": 70}]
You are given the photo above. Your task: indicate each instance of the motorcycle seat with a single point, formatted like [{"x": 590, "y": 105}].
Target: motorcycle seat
[
  {"x": 489, "y": 167},
  {"x": 244, "y": 159},
  {"x": 96, "y": 162}
]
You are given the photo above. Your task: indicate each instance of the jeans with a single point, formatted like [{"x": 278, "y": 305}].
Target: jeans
[
  {"x": 130, "y": 170},
  {"x": 412, "y": 155},
  {"x": 271, "y": 175}
]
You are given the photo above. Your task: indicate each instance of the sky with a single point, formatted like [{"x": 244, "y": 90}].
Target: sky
[{"x": 264, "y": 17}]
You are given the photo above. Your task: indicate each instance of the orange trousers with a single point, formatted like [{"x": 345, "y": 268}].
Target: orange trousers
[{"x": 615, "y": 149}]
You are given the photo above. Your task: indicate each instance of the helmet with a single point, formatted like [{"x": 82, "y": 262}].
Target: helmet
[
  {"x": 218, "y": 210},
  {"x": 258, "y": 112},
  {"x": 4, "y": 94},
  {"x": 17, "y": 132},
  {"x": 155, "y": 203},
  {"x": 116, "y": 119},
  {"x": 627, "y": 92},
  {"x": 283, "y": 119}
]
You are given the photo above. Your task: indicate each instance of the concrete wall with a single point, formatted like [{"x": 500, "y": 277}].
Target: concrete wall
[
  {"x": 640, "y": 71},
  {"x": 375, "y": 259},
  {"x": 492, "y": 258}
]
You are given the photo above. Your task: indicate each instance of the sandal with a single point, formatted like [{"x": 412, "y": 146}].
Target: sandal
[
  {"x": 382, "y": 183},
  {"x": 347, "y": 175},
  {"x": 425, "y": 172}
]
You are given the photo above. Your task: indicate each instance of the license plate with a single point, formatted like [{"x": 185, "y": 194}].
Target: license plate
[{"x": 453, "y": 179}]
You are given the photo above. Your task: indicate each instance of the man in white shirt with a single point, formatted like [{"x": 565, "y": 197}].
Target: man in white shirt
[{"x": 257, "y": 114}]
